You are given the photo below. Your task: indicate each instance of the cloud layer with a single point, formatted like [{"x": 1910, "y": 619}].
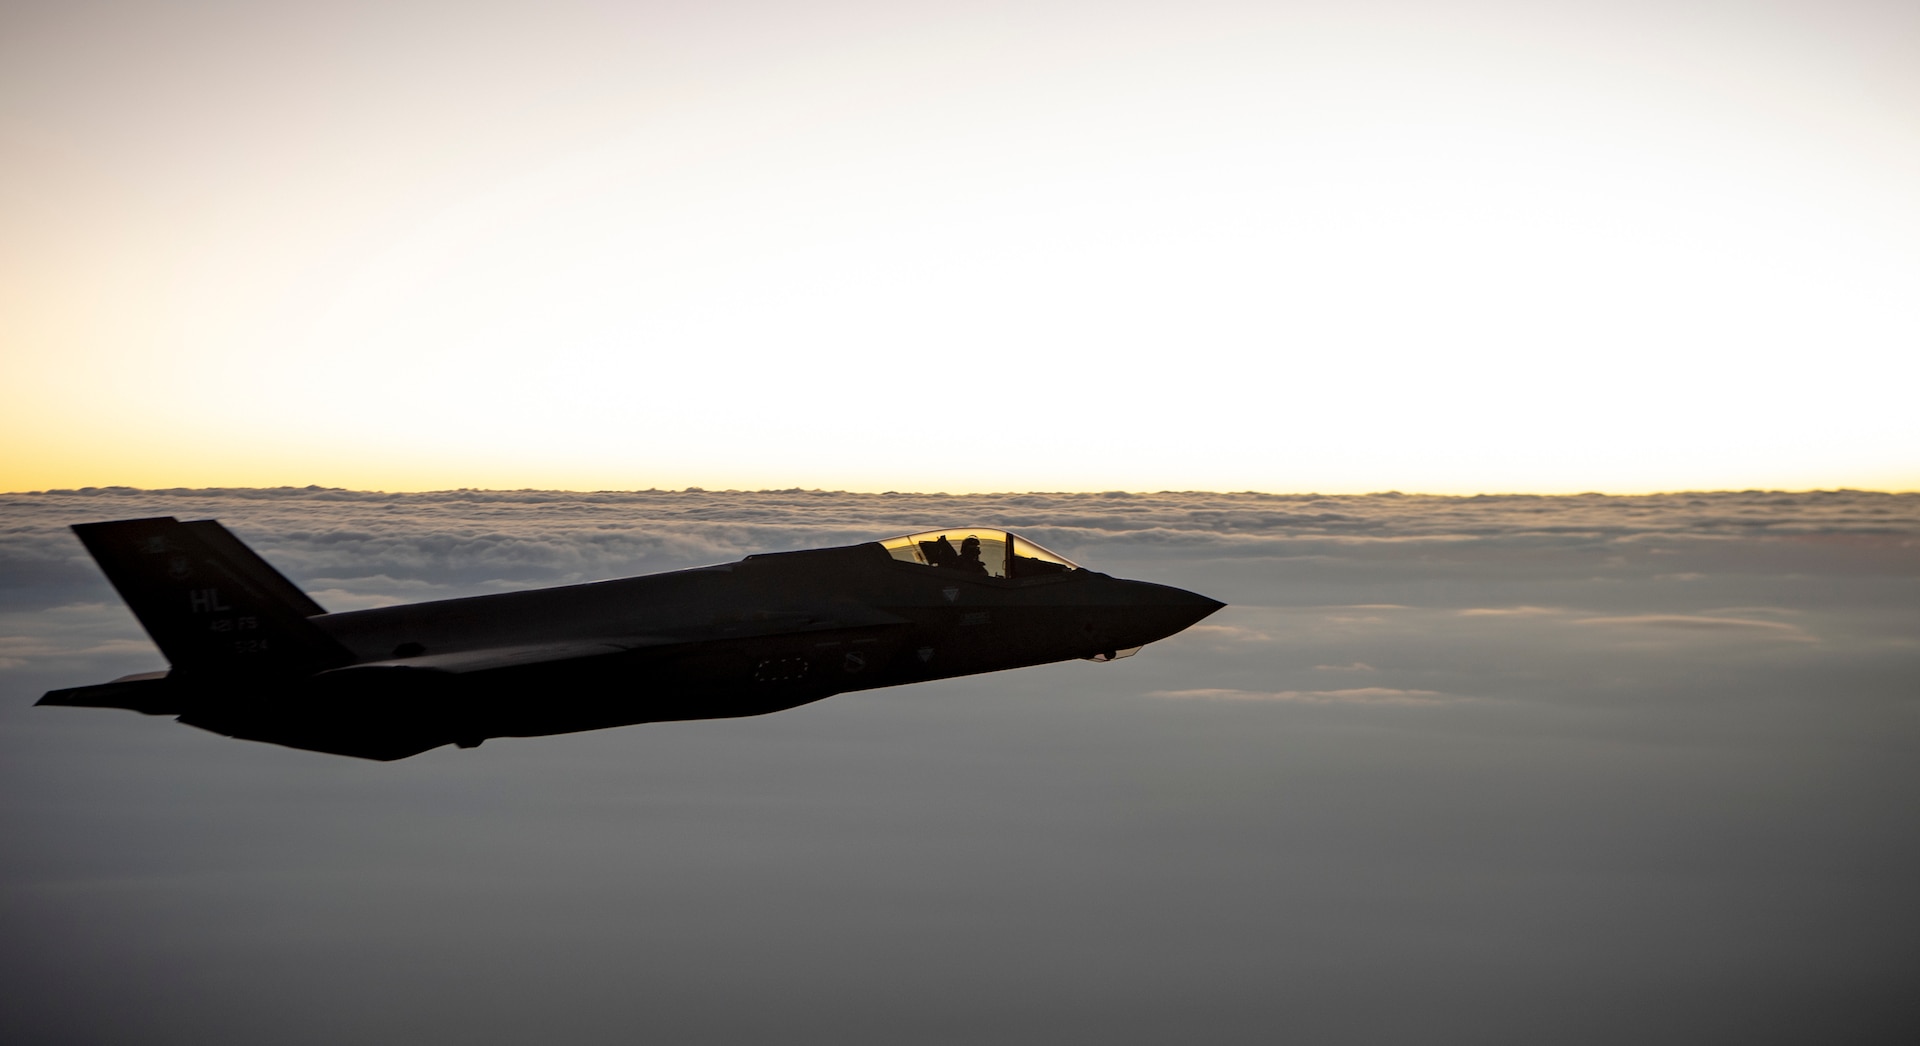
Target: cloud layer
[{"x": 1534, "y": 766}]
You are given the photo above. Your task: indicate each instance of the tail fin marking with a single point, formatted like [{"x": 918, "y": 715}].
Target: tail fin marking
[{"x": 211, "y": 609}]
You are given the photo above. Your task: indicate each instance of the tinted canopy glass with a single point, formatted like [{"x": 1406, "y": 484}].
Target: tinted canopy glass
[{"x": 978, "y": 551}]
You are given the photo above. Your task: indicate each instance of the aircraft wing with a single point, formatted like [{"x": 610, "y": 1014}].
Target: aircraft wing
[
  {"x": 486, "y": 659},
  {"x": 745, "y": 626}
]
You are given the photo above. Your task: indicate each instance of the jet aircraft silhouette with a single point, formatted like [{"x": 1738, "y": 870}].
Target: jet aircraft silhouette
[{"x": 254, "y": 657}]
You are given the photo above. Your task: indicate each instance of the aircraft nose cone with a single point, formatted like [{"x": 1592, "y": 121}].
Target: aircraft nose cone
[
  {"x": 1192, "y": 603},
  {"x": 1162, "y": 610}
]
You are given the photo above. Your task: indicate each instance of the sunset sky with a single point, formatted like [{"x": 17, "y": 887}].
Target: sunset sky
[{"x": 1439, "y": 247}]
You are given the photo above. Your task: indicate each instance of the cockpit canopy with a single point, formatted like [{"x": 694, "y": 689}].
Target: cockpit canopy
[{"x": 983, "y": 553}]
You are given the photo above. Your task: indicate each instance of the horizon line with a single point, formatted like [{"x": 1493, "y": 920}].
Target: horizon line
[{"x": 318, "y": 488}]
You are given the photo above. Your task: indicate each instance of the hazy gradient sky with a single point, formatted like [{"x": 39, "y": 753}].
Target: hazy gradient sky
[{"x": 1428, "y": 246}]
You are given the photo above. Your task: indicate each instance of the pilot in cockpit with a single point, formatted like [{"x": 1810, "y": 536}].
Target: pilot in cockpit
[
  {"x": 940, "y": 553},
  {"x": 969, "y": 560}
]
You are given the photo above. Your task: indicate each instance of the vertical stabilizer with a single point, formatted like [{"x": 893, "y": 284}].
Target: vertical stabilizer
[
  {"x": 221, "y": 542},
  {"x": 210, "y": 604}
]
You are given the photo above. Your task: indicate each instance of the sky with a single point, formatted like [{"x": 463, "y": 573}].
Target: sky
[
  {"x": 1497, "y": 769},
  {"x": 1435, "y": 247}
]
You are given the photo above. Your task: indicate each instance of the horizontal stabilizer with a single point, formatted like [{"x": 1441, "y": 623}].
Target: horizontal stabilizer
[{"x": 147, "y": 692}]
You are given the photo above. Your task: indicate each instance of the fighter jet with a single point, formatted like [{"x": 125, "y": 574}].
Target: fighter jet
[{"x": 254, "y": 657}]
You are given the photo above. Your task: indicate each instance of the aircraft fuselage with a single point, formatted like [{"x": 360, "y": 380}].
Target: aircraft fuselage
[{"x": 766, "y": 633}]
